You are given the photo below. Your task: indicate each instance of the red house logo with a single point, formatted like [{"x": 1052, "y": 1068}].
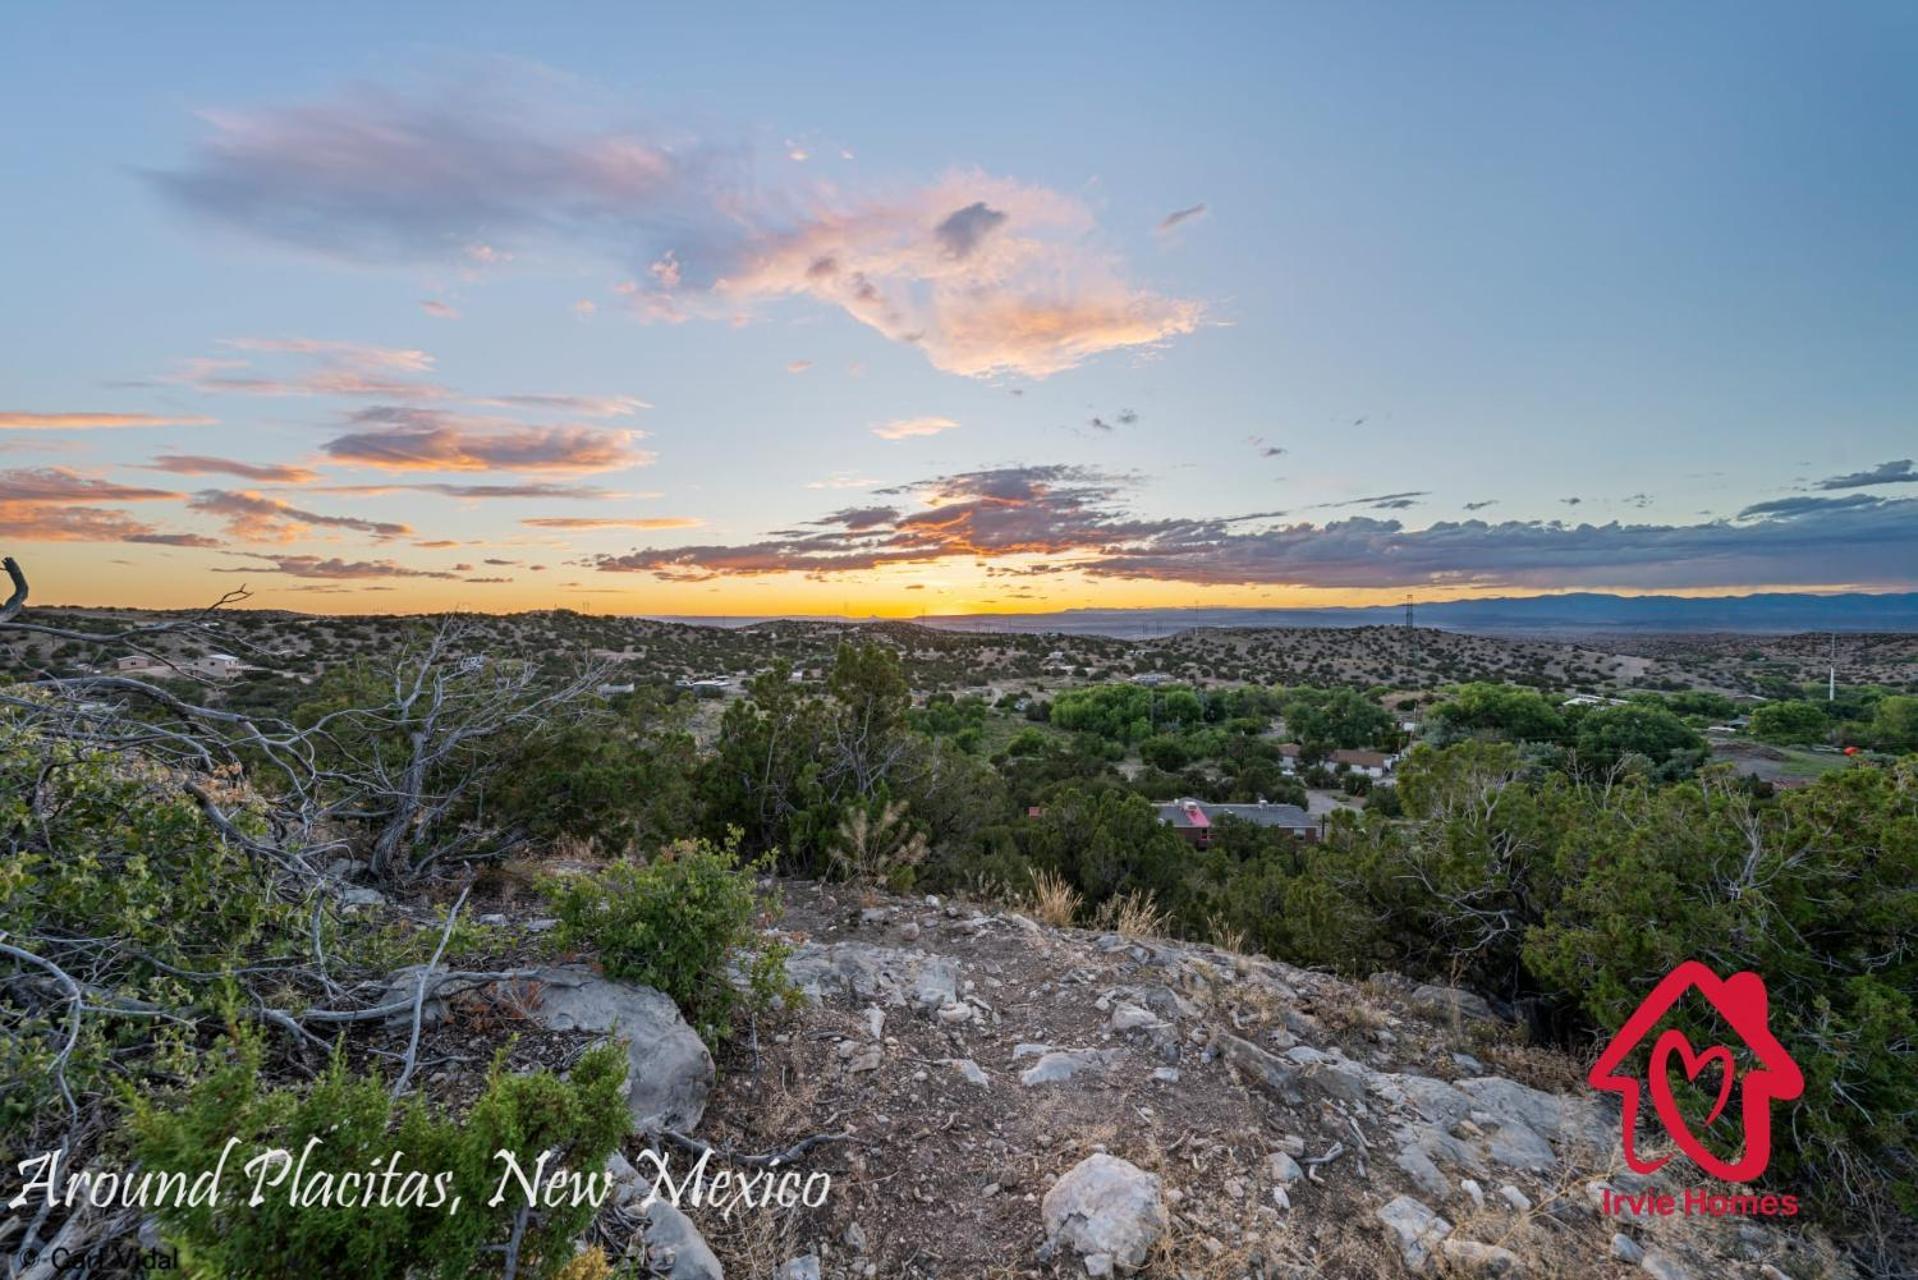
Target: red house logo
[{"x": 1742, "y": 1002}]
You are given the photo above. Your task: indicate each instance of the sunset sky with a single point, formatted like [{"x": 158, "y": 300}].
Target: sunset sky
[{"x": 836, "y": 308}]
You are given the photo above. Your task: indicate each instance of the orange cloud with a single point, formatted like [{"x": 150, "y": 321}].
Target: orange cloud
[
  {"x": 595, "y": 522},
  {"x": 254, "y": 517},
  {"x": 984, "y": 275},
  {"x": 17, "y": 421},
  {"x": 424, "y": 440},
  {"x": 193, "y": 464},
  {"x": 52, "y": 504}
]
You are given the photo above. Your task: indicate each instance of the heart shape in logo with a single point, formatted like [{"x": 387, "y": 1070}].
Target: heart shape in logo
[{"x": 1674, "y": 1042}]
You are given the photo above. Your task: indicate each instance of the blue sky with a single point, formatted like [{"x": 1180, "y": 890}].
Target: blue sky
[{"x": 1459, "y": 265}]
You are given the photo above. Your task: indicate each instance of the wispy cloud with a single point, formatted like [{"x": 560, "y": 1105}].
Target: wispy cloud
[
  {"x": 1178, "y": 216},
  {"x": 982, "y": 274},
  {"x": 254, "y": 517},
  {"x": 428, "y": 440},
  {"x": 1900, "y": 471},
  {"x": 909, "y": 428},
  {"x": 534, "y": 489},
  {"x": 598, "y": 522},
  {"x": 193, "y": 464},
  {"x": 16, "y": 420},
  {"x": 334, "y": 568}
]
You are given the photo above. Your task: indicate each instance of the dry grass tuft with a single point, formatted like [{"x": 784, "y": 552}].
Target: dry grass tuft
[
  {"x": 1132, "y": 915},
  {"x": 1053, "y": 901},
  {"x": 1226, "y": 937}
]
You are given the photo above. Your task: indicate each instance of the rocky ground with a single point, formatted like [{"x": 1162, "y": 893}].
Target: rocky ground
[{"x": 997, "y": 1098}]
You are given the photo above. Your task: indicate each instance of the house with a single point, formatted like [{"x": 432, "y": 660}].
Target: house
[
  {"x": 1373, "y": 764},
  {"x": 1151, "y": 679},
  {"x": 219, "y": 666},
  {"x": 135, "y": 662},
  {"x": 1196, "y": 821},
  {"x": 1289, "y": 756}
]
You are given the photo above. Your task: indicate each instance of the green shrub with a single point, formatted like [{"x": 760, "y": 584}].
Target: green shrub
[
  {"x": 445, "y": 1229},
  {"x": 678, "y": 923}
]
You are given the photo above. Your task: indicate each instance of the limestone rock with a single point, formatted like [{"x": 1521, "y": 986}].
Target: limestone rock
[
  {"x": 674, "y": 1246},
  {"x": 1105, "y": 1205},
  {"x": 1055, "y": 1067},
  {"x": 1418, "y": 1229},
  {"x": 670, "y": 1071}
]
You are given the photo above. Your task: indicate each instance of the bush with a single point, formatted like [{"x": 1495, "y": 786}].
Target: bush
[
  {"x": 1788, "y": 723},
  {"x": 581, "y": 1119},
  {"x": 678, "y": 923}
]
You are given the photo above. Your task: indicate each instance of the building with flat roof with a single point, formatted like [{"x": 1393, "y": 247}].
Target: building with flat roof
[{"x": 1197, "y": 820}]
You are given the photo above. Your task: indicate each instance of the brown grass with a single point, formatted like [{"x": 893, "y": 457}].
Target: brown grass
[
  {"x": 1053, "y": 901},
  {"x": 1132, "y": 915}
]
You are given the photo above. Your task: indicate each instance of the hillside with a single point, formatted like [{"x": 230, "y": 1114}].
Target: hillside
[
  {"x": 302, "y": 646},
  {"x": 1298, "y": 1125}
]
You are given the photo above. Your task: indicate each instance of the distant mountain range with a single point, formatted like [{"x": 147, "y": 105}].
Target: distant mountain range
[{"x": 1583, "y": 611}]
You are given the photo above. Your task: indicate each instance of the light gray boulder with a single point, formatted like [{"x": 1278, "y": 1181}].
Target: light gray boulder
[
  {"x": 1105, "y": 1206},
  {"x": 1055, "y": 1067},
  {"x": 674, "y": 1248},
  {"x": 1418, "y": 1229},
  {"x": 1516, "y": 1146},
  {"x": 669, "y": 1070}
]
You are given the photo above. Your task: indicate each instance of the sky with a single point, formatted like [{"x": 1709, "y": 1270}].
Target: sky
[{"x": 861, "y": 309}]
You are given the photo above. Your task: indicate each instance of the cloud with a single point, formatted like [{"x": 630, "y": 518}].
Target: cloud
[
  {"x": 1899, "y": 471},
  {"x": 985, "y": 514},
  {"x": 254, "y": 517},
  {"x": 1178, "y": 216},
  {"x": 428, "y": 440},
  {"x": 843, "y": 480},
  {"x": 588, "y": 406},
  {"x": 333, "y": 568},
  {"x": 1078, "y": 520},
  {"x": 1023, "y": 291},
  {"x": 311, "y": 367},
  {"x": 965, "y": 229},
  {"x": 193, "y": 464},
  {"x": 54, "y": 504},
  {"x": 327, "y": 367},
  {"x": 798, "y": 366},
  {"x": 354, "y": 355},
  {"x": 909, "y": 428},
  {"x": 1781, "y": 507},
  {"x": 581, "y": 492},
  {"x": 14, "y": 420},
  {"x": 984, "y": 275},
  {"x": 61, "y": 484},
  {"x": 1378, "y": 501},
  {"x": 598, "y": 522},
  {"x": 440, "y": 310},
  {"x": 1482, "y": 504}
]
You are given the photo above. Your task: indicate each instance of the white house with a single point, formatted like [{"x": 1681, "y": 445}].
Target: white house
[{"x": 220, "y": 666}]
